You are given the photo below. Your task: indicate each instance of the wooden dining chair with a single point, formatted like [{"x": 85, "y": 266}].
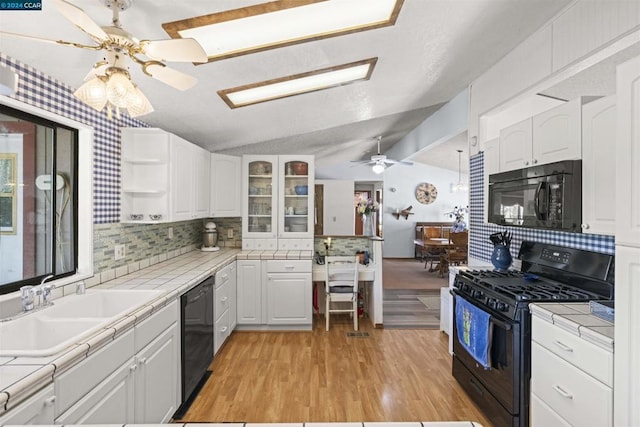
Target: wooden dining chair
[
  {"x": 431, "y": 254},
  {"x": 457, "y": 253}
]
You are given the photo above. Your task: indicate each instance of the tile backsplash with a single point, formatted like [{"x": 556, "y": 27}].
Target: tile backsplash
[
  {"x": 343, "y": 245},
  {"x": 143, "y": 241}
]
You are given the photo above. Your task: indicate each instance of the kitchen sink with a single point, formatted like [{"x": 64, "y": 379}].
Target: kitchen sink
[
  {"x": 69, "y": 320},
  {"x": 100, "y": 304}
]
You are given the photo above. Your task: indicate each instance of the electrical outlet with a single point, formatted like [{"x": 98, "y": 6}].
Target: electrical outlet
[
  {"x": 120, "y": 251},
  {"x": 170, "y": 233},
  {"x": 230, "y": 233}
]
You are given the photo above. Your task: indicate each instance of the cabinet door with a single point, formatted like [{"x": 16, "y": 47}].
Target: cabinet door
[
  {"x": 289, "y": 299},
  {"x": 557, "y": 134},
  {"x": 226, "y": 186},
  {"x": 249, "y": 292},
  {"x": 516, "y": 146},
  {"x": 260, "y": 190},
  {"x": 156, "y": 379},
  {"x": 38, "y": 409},
  {"x": 296, "y": 197},
  {"x": 111, "y": 402},
  {"x": 543, "y": 416},
  {"x": 628, "y": 156},
  {"x": 491, "y": 166},
  {"x": 233, "y": 300},
  {"x": 201, "y": 159},
  {"x": 181, "y": 179},
  {"x": 599, "y": 166}
]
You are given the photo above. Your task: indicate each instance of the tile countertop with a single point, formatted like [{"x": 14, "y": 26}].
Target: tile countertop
[
  {"x": 577, "y": 319},
  {"x": 20, "y": 377}
]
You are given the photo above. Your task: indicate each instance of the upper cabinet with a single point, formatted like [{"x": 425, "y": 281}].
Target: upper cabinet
[
  {"x": 598, "y": 166},
  {"x": 278, "y": 200},
  {"x": 164, "y": 177},
  {"x": 548, "y": 137},
  {"x": 226, "y": 186}
]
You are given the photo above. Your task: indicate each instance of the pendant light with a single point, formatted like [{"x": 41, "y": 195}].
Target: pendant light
[{"x": 459, "y": 187}]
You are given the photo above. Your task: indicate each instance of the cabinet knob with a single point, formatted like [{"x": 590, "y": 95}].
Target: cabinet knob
[
  {"x": 223, "y": 329},
  {"x": 534, "y": 161},
  {"x": 133, "y": 368},
  {"x": 143, "y": 360},
  {"x": 223, "y": 299},
  {"x": 49, "y": 401},
  {"x": 526, "y": 163},
  {"x": 585, "y": 226}
]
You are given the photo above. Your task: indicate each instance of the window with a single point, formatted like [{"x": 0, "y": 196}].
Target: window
[{"x": 38, "y": 213}]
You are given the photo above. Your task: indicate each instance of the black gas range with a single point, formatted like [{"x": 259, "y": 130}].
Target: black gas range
[{"x": 549, "y": 273}]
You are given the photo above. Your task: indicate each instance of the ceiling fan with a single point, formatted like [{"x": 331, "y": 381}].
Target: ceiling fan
[
  {"x": 380, "y": 162},
  {"x": 119, "y": 44}
]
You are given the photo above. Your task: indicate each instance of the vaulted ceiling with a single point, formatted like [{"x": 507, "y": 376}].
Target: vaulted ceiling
[{"x": 434, "y": 50}]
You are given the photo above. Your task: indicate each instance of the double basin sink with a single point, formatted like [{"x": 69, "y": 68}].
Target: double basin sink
[{"x": 68, "y": 321}]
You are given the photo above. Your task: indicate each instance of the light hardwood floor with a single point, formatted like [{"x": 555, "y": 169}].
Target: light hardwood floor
[{"x": 392, "y": 375}]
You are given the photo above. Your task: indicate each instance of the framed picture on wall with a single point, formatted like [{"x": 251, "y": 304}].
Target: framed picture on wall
[{"x": 8, "y": 193}]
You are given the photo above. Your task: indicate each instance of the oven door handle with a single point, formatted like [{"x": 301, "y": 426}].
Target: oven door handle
[
  {"x": 506, "y": 326},
  {"x": 536, "y": 203}
]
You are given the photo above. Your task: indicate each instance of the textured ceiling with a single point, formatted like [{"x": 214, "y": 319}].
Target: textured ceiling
[
  {"x": 445, "y": 155},
  {"x": 433, "y": 52}
]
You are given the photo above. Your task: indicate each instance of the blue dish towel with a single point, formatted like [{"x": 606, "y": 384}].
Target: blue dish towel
[{"x": 474, "y": 331}]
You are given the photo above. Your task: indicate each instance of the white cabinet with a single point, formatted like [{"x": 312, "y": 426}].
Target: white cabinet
[
  {"x": 156, "y": 378},
  {"x": 224, "y": 305},
  {"x": 557, "y": 133},
  {"x": 38, "y": 409},
  {"x": 548, "y": 137},
  {"x": 583, "y": 394},
  {"x": 226, "y": 186},
  {"x": 249, "y": 273},
  {"x": 516, "y": 146},
  {"x": 134, "y": 379},
  {"x": 164, "y": 177},
  {"x": 278, "y": 202},
  {"x": 274, "y": 293},
  {"x": 598, "y": 166},
  {"x": 627, "y": 339},
  {"x": 190, "y": 180},
  {"x": 288, "y": 292},
  {"x": 491, "y": 166}
]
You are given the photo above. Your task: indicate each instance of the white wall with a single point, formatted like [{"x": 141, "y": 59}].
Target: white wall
[
  {"x": 338, "y": 213},
  {"x": 399, "y": 233}
]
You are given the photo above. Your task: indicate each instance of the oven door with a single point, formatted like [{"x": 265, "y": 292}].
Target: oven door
[{"x": 501, "y": 380}]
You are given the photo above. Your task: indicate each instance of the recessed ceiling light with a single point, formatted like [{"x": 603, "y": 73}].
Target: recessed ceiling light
[
  {"x": 298, "y": 84},
  {"x": 281, "y": 23}
]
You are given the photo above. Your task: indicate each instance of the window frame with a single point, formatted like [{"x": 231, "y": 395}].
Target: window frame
[{"x": 83, "y": 196}]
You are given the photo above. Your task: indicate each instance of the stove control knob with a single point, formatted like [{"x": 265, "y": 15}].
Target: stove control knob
[
  {"x": 475, "y": 293},
  {"x": 501, "y": 306},
  {"x": 491, "y": 302}
]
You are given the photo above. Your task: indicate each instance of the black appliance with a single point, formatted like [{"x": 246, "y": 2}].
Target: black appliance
[
  {"x": 546, "y": 196},
  {"x": 549, "y": 274},
  {"x": 196, "y": 308}
]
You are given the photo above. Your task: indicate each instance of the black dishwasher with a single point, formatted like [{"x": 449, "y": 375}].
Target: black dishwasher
[{"x": 196, "y": 308}]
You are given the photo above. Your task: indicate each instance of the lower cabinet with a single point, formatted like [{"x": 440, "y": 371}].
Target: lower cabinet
[
  {"x": 571, "y": 379},
  {"x": 274, "y": 293},
  {"x": 38, "y": 409},
  {"x": 142, "y": 389},
  {"x": 224, "y": 305}
]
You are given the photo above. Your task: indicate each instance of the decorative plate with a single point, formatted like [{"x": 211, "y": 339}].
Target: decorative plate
[{"x": 426, "y": 193}]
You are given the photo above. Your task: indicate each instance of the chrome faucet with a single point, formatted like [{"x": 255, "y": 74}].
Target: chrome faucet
[
  {"x": 45, "y": 291},
  {"x": 27, "y": 294}
]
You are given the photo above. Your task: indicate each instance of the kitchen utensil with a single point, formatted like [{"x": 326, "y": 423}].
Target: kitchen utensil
[
  {"x": 496, "y": 238},
  {"x": 299, "y": 168},
  {"x": 301, "y": 190},
  {"x": 210, "y": 238}
]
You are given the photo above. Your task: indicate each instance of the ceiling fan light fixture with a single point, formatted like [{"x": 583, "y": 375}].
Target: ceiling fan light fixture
[
  {"x": 138, "y": 104},
  {"x": 93, "y": 93},
  {"x": 119, "y": 89},
  {"x": 378, "y": 168}
]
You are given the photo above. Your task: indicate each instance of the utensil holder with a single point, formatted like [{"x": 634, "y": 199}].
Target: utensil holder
[{"x": 501, "y": 258}]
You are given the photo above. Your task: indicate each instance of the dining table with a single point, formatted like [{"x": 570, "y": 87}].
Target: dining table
[{"x": 432, "y": 244}]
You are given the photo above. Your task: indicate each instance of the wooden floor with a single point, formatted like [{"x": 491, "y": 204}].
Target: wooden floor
[
  {"x": 389, "y": 375},
  {"x": 409, "y": 273}
]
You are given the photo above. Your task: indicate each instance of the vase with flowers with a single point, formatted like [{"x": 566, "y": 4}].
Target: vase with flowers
[
  {"x": 459, "y": 225},
  {"x": 366, "y": 208}
]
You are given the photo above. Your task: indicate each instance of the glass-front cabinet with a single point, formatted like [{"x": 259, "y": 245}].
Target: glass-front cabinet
[
  {"x": 260, "y": 190},
  {"x": 296, "y": 197},
  {"x": 278, "y": 208}
]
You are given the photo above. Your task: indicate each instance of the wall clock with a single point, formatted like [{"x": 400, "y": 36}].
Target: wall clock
[{"x": 426, "y": 193}]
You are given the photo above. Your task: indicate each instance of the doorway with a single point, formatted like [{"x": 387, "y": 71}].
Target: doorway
[{"x": 359, "y": 195}]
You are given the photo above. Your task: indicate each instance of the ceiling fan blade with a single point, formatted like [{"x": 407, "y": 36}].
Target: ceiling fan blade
[
  {"x": 80, "y": 19},
  {"x": 174, "y": 50},
  {"x": 405, "y": 162},
  {"x": 169, "y": 76},
  {"x": 23, "y": 36}
]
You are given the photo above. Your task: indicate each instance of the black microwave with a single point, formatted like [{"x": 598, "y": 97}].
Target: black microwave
[{"x": 545, "y": 196}]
